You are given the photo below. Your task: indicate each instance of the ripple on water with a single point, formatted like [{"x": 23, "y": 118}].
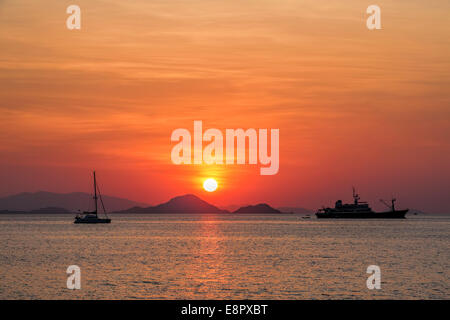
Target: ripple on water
[{"x": 224, "y": 257}]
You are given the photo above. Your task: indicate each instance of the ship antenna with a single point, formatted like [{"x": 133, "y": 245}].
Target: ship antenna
[{"x": 355, "y": 195}]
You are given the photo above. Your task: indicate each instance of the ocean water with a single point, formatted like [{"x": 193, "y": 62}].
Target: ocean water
[{"x": 224, "y": 257}]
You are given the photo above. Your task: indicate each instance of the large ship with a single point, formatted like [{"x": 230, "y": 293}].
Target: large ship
[{"x": 359, "y": 210}]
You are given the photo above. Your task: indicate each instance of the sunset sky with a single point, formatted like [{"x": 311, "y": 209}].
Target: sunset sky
[{"x": 353, "y": 106}]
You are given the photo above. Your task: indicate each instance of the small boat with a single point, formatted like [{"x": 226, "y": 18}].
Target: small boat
[{"x": 92, "y": 216}]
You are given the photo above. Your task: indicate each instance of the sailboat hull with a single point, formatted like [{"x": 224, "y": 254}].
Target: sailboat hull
[{"x": 92, "y": 220}]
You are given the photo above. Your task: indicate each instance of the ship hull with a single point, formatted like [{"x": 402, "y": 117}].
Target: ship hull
[
  {"x": 98, "y": 220},
  {"x": 397, "y": 214}
]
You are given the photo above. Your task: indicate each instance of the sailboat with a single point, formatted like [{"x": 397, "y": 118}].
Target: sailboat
[{"x": 92, "y": 216}]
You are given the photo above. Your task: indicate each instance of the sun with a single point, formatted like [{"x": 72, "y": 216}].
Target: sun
[{"x": 210, "y": 185}]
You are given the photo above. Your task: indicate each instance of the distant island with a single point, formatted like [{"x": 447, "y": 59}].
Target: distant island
[
  {"x": 37, "y": 211},
  {"x": 74, "y": 201},
  {"x": 298, "y": 210},
  {"x": 188, "y": 203},
  {"x": 43, "y": 202},
  {"x": 259, "y": 208}
]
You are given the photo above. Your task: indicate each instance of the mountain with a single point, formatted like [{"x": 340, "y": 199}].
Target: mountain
[
  {"x": 259, "y": 208},
  {"x": 295, "y": 210},
  {"x": 37, "y": 211},
  {"x": 188, "y": 203},
  {"x": 70, "y": 201},
  {"x": 50, "y": 210},
  {"x": 232, "y": 207}
]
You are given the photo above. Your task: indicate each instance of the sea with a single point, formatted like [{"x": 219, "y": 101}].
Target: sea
[{"x": 218, "y": 256}]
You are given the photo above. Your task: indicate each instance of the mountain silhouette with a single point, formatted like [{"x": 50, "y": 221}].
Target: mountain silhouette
[
  {"x": 188, "y": 203},
  {"x": 37, "y": 211},
  {"x": 298, "y": 210},
  {"x": 49, "y": 202},
  {"x": 70, "y": 201},
  {"x": 259, "y": 208}
]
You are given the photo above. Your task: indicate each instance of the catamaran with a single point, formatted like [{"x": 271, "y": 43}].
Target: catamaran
[{"x": 92, "y": 216}]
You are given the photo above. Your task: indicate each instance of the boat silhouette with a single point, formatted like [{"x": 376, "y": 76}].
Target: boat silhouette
[
  {"x": 92, "y": 216},
  {"x": 359, "y": 210}
]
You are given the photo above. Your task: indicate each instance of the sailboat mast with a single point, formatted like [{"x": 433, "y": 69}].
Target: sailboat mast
[{"x": 95, "y": 194}]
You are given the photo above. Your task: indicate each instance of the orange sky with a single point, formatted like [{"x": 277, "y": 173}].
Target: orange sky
[{"x": 354, "y": 107}]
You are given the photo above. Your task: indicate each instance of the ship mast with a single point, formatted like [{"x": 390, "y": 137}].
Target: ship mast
[
  {"x": 392, "y": 207},
  {"x": 95, "y": 194}
]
